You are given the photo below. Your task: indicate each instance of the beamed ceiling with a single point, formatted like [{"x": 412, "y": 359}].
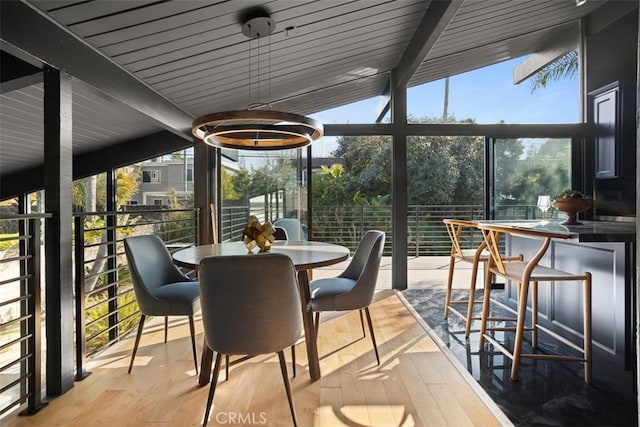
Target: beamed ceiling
[{"x": 143, "y": 70}]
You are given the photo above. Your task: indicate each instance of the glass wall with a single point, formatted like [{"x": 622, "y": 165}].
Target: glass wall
[
  {"x": 522, "y": 170},
  {"x": 445, "y": 179},
  {"x": 488, "y": 96},
  {"x": 267, "y": 186},
  {"x": 351, "y": 190}
]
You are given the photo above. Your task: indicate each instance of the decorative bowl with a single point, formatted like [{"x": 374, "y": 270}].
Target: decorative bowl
[{"x": 571, "y": 206}]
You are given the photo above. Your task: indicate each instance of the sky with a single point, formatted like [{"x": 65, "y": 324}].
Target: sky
[{"x": 487, "y": 95}]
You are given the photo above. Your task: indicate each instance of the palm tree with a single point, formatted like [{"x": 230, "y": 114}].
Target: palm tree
[{"x": 565, "y": 66}]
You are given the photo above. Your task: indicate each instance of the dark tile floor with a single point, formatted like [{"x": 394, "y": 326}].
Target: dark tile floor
[{"x": 547, "y": 393}]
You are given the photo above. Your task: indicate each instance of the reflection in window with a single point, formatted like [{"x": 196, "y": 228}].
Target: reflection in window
[{"x": 525, "y": 168}]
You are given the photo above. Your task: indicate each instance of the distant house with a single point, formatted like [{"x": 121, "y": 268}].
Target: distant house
[{"x": 164, "y": 180}]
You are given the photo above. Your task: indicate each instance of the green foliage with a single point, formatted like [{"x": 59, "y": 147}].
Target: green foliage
[
  {"x": 6, "y": 244},
  {"x": 232, "y": 184},
  {"x": 564, "y": 67},
  {"x": 523, "y": 173},
  {"x": 275, "y": 175},
  {"x": 329, "y": 186},
  {"x": 367, "y": 163},
  {"x": 97, "y": 319},
  {"x": 127, "y": 184},
  {"x": 94, "y": 228},
  {"x": 440, "y": 169}
]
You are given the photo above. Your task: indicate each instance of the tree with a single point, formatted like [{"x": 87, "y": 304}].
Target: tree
[
  {"x": 127, "y": 183},
  {"x": 566, "y": 66},
  {"x": 236, "y": 185},
  {"x": 329, "y": 186},
  {"x": 440, "y": 170},
  {"x": 524, "y": 172},
  {"x": 367, "y": 163}
]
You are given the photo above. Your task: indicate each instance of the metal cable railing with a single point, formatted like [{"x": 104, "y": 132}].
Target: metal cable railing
[
  {"x": 105, "y": 302},
  {"x": 21, "y": 313}
]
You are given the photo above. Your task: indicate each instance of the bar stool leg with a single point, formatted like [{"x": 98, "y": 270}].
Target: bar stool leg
[
  {"x": 472, "y": 298},
  {"x": 587, "y": 327},
  {"x": 522, "y": 314},
  {"x": 447, "y": 301},
  {"x": 486, "y": 300},
  {"x": 534, "y": 315}
]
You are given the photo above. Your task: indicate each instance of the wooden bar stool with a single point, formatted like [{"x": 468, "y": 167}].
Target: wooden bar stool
[
  {"x": 524, "y": 274},
  {"x": 458, "y": 230}
]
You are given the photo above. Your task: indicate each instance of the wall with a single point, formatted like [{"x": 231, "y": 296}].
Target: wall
[{"x": 615, "y": 48}]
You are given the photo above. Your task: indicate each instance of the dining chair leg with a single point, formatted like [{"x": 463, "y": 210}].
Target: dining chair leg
[
  {"x": 192, "y": 328},
  {"x": 287, "y": 386},
  {"x": 316, "y": 323},
  {"x": 226, "y": 367},
  {"x": 373, "y": 337},
  {"x": 166, "y": 328},
  {"x": 212, "y": 389},
  {"x": 362, "y": 323},
  {"x": 293, "y": 360},
  {"x": 137, "y": 341}
]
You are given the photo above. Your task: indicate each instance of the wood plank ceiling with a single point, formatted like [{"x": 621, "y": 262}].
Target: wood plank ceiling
[{"x": 323, "y": 54}]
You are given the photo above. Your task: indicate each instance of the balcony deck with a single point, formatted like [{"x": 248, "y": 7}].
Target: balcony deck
[{"x": 416, "y": 383}]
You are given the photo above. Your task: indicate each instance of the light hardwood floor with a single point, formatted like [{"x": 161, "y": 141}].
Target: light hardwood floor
[{"x": 416, "y": 385}]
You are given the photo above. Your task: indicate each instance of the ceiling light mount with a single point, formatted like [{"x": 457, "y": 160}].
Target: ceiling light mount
[
  {"x": 258, "y": 26},
  {"x": 254, "y": 129}
]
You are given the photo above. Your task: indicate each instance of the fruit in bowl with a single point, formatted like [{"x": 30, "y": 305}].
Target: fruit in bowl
[{"x": 571, "y": 202}]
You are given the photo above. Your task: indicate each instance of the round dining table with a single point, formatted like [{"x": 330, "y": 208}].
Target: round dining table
[{"x": 305, "y": 255}]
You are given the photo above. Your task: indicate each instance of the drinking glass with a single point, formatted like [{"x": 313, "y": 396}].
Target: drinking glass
[{"x": 544, "y": 204}]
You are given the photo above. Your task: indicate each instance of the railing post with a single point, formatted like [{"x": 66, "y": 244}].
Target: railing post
[
  {"x": 112, "y": 289},
  {"x": 81, "y": 344},
  {"x": 34, "y": 322},
  {"x": 417, "y": 232},
  {"x": 361, "y": 225},
  {"x": 196, "y": 226}
]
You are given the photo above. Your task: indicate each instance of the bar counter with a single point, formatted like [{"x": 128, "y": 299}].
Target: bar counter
[
  {"x": 588, "y": 231},
  {"x": 607, "y": 250}
]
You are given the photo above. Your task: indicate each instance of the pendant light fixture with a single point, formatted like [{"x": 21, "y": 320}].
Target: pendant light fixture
[{"x": 254, "y": 129}]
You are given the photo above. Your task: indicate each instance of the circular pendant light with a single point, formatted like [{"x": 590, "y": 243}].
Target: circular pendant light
[{"x": 257, "y": 129}]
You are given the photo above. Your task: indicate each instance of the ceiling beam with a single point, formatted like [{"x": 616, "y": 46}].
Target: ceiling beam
[
  {"x": 607, "y": 14},
  {"x": 95, "y": 162},
  {"x": 20, "y": 82},
  {"x": 384, "y": 105},
  {"x": 561, "y": 45},
  {"x": 435, "y": 20},
  {"x": 458, "y": 129},
  {"x": 28, "y": 30},
  {"x": 15, "y": 73}
]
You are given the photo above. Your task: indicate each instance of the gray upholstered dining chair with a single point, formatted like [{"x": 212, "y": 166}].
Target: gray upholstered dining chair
[
  {"x": 354, "y": 288},
  {"x": 250, "y": 306},
  {"x": 160, "y": 287}
]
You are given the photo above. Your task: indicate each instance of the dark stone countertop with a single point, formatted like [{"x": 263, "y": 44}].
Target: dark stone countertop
[
  {"x": 588, "y": 231},
  {"x": 605, "y": 231}
]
